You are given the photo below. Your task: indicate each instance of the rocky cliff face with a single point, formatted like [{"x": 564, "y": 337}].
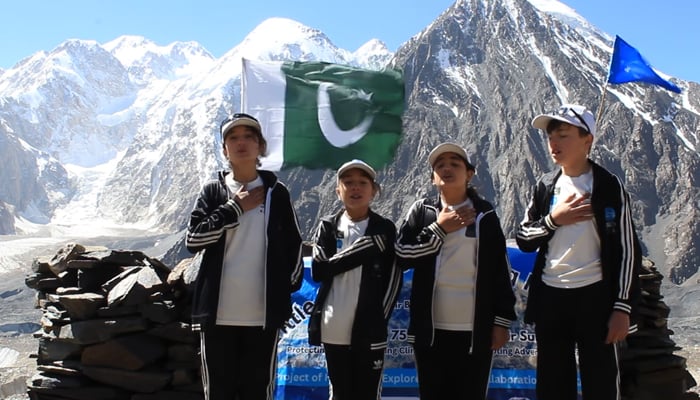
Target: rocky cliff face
[
  {"x": 30, "y": 180},
  {"x": 483, "y": 70}
]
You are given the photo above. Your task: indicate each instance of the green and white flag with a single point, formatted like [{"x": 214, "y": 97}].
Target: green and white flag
[{"x": 320, "y": 115}]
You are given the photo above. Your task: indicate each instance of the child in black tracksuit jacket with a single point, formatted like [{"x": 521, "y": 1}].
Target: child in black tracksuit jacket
[
  {"x": 584, "y": 285},
  {"x": 462, "y": 301},
  {"x": 353, "y": 259},
  {"x": 244, "y": 224}
]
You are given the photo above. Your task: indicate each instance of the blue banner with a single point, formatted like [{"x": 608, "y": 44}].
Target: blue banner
[
  {"x": 302, "y": 375},
  {"x": 628, "y": 65}
]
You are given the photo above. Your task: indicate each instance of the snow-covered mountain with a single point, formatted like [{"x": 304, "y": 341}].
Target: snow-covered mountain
[
  {"x": 99, "y": 137},
  {"x": 124, "y": 133},
  {"x": 126, "y": 122},
  {"x": 482, "y": 70}
]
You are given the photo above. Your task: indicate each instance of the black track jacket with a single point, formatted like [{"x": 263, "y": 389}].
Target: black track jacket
[
  {"x": 379, "y": 286},
  {"x": 215, "y": 212},
  {"x": 419, "y": 245},
  {"x": 620, "y": 253}
]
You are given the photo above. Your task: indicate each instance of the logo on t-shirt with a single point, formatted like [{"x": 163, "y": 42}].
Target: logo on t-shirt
[{"x": 557, "y": 191}]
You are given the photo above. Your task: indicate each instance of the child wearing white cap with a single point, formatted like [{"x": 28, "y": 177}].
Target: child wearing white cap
[
  {"x": 584, "y": 283},
  {"x": 353, "y": 259},
  {"x": 462, "y": 301},
  {"x": 244, "y": 223}
]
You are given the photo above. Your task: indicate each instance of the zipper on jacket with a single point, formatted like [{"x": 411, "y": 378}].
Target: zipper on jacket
[
  {"x": 267, "y": 207},
  {"x": 432, "y": 301},
  {"x": 477, "y": 222}
]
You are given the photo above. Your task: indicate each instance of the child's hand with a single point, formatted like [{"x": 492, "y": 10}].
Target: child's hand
[
  {"x": 248, "y": 200},
  {"x": 618, "y": 327},
  {"x": 452, "y": 220},
  {"x": 572, "y": 210},
  {"x": 499, "y": 337}
]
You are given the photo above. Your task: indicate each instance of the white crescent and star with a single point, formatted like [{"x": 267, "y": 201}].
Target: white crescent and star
[{"x": 331, "y": 131}]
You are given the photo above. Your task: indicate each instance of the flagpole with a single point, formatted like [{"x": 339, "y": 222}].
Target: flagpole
[
  {"x": 244, "y": 84},
  {"x": 601, "y": 105}
]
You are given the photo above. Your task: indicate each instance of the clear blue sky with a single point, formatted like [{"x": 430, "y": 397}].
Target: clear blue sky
[{"x": 665, "y": 32}]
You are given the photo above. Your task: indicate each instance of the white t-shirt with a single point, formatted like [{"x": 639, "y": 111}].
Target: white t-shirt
[
  {"x": 242, "y": 286},
  {"x": 573, "y": 259},
  {"x": 341, "y": 303},
  {"x": 453, "y": 305}
]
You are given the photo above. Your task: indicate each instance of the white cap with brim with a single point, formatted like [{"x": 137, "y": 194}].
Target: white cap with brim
[
  {"x": 239, "y": 120},
  {"x": 359, "y": 164},
  {"x": 573, "y": 114},
  {"x": 449, "y": 148}
]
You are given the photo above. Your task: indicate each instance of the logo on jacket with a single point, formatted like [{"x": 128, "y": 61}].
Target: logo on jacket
[
  {"x": 377, "y": 364},
  {"x": 610, "y": 224}
]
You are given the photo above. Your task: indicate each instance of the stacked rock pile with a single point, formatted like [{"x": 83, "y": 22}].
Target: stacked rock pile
[
  {"x": 650, "y": 370},
  {"x": 114, "y": 326}
]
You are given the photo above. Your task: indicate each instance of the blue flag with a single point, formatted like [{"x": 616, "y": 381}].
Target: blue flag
[{"x": 627, "y": 65}]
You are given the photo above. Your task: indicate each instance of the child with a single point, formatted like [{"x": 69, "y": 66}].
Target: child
[
  {"x": 585, "y": 279},
  {"x": 246, "y": 226},
  {"x": 353, "y": 259},
  {"x": 462, "y": 301}
]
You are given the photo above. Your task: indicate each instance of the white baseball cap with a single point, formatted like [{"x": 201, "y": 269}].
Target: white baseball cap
[
  {"x": 359, "y": 164},
  {"x": 449, "y": 148},
  {"x": 238, "y": 119},
  {"x": 573, "y": 114}
]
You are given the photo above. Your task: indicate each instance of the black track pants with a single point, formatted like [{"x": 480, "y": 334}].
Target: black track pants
[
  {"x": 575, "y": 319},
  {"x": 238, "y": 362},
  {"x": 355, "y": 374}
]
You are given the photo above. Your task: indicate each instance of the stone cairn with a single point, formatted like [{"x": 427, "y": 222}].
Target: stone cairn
[
  {"x": 650, "y": 370},
  {"x": 115, "y": 326}
]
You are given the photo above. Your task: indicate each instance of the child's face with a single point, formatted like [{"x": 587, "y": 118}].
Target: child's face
[
  {"x": 241, "y": 145},
  {"x": 355, "y": 189},
  {"x": 567, "y": 147},
  {"x": 450, "y": 170}
]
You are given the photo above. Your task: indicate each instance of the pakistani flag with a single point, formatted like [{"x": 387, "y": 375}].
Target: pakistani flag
[{"x": 320, "y": 115}]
